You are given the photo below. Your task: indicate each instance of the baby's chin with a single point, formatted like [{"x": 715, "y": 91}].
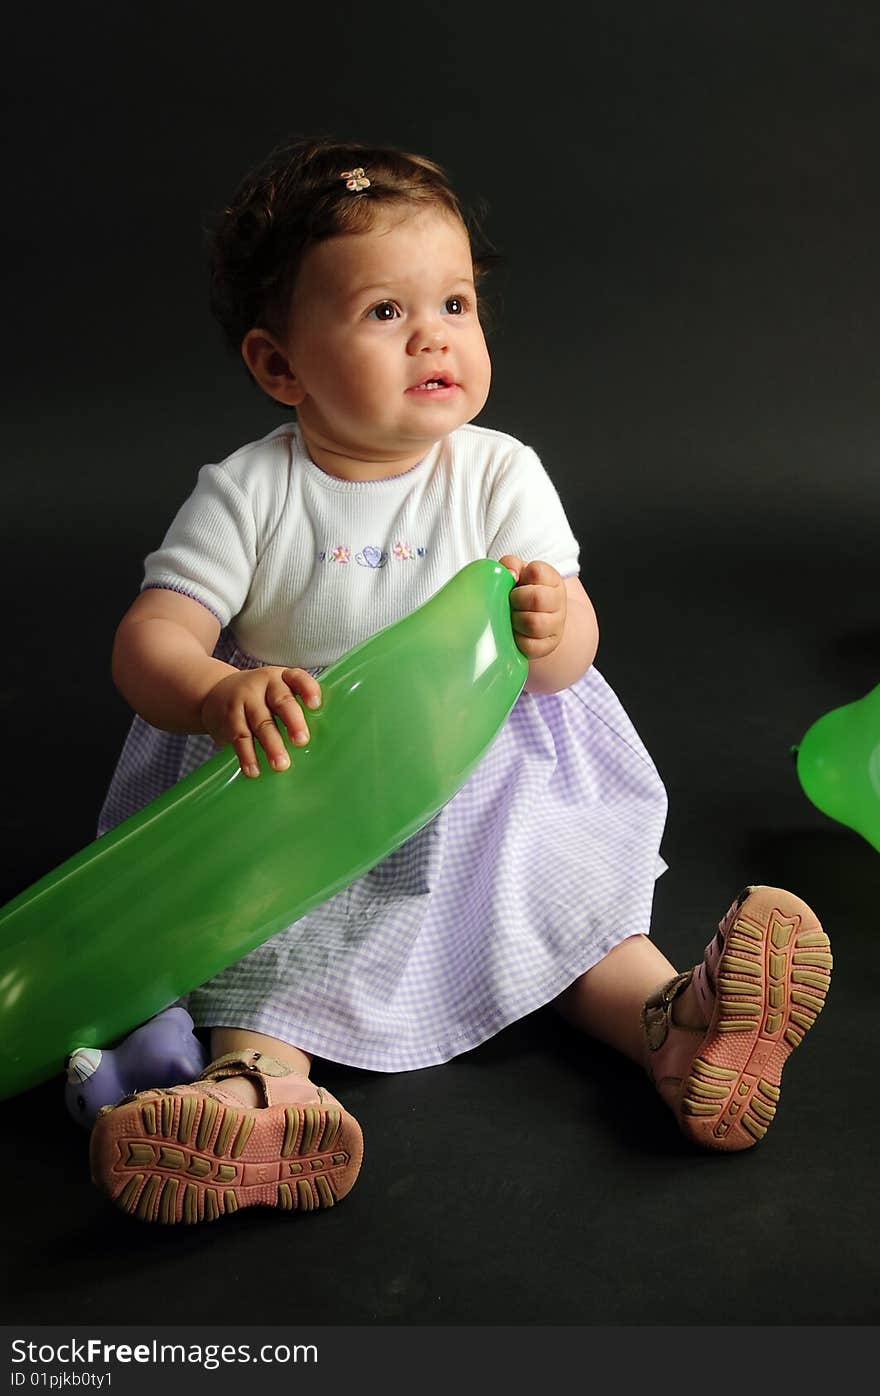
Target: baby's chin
[{"x": 433, "y": 420}]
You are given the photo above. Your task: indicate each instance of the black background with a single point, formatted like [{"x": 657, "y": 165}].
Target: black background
[{"x": 686, "y": 329}]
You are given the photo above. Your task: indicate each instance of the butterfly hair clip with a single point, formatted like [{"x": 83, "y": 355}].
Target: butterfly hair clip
[{"x": 355, "y": 179}]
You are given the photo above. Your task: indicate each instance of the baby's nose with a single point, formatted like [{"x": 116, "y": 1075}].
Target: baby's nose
[{"x": 427, "y": 339}]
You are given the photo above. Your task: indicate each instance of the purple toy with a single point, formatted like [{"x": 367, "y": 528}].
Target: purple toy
[{"x": 162, "y": 1052}]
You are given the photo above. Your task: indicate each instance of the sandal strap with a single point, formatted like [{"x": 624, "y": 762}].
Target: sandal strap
[
  {"x": 271, "y": 1077},
  {"x": 254, "y": 1064},
  {"x": 264, "y": 1071},
  {"x": 657, "y": 1011}
]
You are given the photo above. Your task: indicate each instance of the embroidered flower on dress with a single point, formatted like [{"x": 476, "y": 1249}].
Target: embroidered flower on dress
[
  {"x": 403, "y": 552},
  {"x": 340, "y": 553},
  {"x": 372, "y": 557}
]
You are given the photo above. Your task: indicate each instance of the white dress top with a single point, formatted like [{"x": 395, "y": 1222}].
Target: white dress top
[{"x": 305, "y": 565}]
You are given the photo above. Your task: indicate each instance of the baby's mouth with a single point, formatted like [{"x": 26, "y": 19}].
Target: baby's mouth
[{"x": 431, "y": 385}]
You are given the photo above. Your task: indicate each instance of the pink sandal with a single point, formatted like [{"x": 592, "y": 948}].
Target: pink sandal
[
  {"x": 762, "y": 984},
  {"x": 194, "y": 1153}
]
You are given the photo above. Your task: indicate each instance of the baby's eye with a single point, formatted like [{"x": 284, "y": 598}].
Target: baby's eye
[
  {"x": 385, "y": 310},
  {"x": 454, "y": 305}
]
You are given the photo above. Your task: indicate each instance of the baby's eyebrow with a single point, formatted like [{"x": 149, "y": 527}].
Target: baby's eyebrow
[
  {"x": 386, "y": 288},
  {"x": 359, "y": 292}
]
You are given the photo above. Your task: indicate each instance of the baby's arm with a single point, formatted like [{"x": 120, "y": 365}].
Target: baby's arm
[
  {"x": 554, "y": 623},
  {"x": 164, "y": 667}
]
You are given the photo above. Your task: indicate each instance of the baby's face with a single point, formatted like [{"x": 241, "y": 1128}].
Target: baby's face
[{"x": 385, "y": 339}]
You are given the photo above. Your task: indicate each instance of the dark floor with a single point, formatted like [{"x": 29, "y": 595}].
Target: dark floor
[{"x": 537, "y": 1180}]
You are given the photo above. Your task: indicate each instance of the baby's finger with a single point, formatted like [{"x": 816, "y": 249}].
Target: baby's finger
[
  {"x": 305, "y": 684},
  {"x": 243, "y": 747},
  {"x": 233, "y": 727},
  {"x": 537, "y": 648},
  {"x": 265, "y": 729},
  {"x": 513, "y": 564},
  {"x": 280, "y": 700},
  {"x": 540, "y": 574},
  {"x": 535, "y": 598},
  {"x": 536, "y": 625}
]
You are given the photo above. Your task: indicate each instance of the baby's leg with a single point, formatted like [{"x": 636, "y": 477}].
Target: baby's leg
[
  {"x": 607, "y": 1001},
  {"x": 714, "y": 1040}
]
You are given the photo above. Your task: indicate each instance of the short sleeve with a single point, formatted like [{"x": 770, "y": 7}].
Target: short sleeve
[
  {"x": 525, "y": 515},
  {"x": 209, "y": 552}
]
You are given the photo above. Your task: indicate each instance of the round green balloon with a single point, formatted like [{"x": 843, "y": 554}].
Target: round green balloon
[
  {"x": 219, "y": 863},
  {"x": 838, "y": 765}
]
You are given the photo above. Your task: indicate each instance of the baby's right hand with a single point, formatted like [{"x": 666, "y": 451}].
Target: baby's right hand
[{"x": 240, "y": 708}]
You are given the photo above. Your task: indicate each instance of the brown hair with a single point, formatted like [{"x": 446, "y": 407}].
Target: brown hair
[{"x": 298, "y": 197}]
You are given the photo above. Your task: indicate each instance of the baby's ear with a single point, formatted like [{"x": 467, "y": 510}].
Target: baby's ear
[{"x": 270, "y": 367}]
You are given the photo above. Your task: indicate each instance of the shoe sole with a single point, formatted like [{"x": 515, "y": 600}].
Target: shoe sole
[
  {"x": 771, "y": 984},
  {"x": 166, "y": 1157}
]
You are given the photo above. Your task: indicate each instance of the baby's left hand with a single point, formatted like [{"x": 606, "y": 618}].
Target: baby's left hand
[{"x": 537, "y": 606}]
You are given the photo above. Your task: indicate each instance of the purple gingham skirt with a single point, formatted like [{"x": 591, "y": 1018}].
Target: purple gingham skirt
[{"x": 542, "y": 863}]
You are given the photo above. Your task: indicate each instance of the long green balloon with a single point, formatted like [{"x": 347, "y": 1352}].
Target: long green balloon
[
  {"x": 838, "y": 765},
  {"x": 219, "y": 863}
]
